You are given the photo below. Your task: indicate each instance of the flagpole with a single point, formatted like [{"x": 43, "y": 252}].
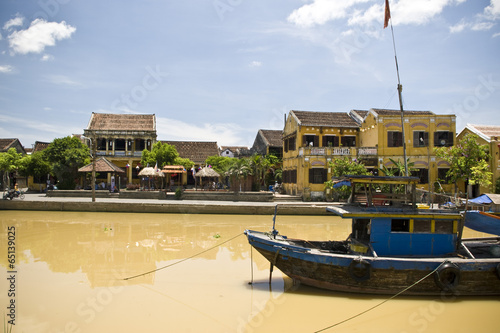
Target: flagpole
[{"x": 388, "y": 19}]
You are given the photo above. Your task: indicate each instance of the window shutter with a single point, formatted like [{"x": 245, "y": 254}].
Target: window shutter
[
  {"x": 304, "y": 141},
  {"x": 426, "y": 139},
  {"x": 450, "y": 139},
  {"x": 316, "y": 141}
]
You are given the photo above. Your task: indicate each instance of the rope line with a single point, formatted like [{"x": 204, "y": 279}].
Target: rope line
[
  {"x": 385, "y": 301},
  {"x": 185, "y": 259}
]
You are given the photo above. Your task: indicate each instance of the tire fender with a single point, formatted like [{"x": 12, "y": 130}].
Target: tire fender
[{"x": 447, "y": 277}]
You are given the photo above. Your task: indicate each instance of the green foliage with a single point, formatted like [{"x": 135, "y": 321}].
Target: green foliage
[
  {"x": 161, "y": 153},
  {"x": 220, "y": 164},
  {"x": 185, "y": 162},
  {"x": 66, "y": 155},
  {"x": 497, "y": 186},
  {"x": 398, "y": 168},
  {"x": 9, "y": 162},
  {"x": 35, "y": 165},
  {"x": 240, "y": 169},
  {"x": 178, "y": 193},
  {"x": 468, "y": 161},
  {"x": 164, "y": 154},
  {"x": 342, "y": 167}
]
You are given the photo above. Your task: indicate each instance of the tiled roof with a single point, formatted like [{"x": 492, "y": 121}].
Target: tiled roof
[
  {"x": 387, "y": 112},
  {"x": 331, "y": 119},
  {"x": 238, "y": 151},
  {"x": 490, "y": 131},
  {"x": 5, "y": 144},
  {"x": 274, "y": 138},
  {"x": 122, "y": 122},
  {"x": 102, "y": 165},
  {"x": 39, "y": 146},
  {"x": 196, "y": 151}
]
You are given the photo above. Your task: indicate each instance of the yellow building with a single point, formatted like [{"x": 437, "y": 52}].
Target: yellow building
[
  {"x": 487, "y": 135},
  {"x": 312, "y": 139}
]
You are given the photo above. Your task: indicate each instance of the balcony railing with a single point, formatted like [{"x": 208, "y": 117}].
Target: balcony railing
[
  {"x": 119, "y": 153},
  {"x": 338, "y": 151}
]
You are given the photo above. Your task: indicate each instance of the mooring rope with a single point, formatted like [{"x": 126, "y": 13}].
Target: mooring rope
[
  {"x": 385, "y": 301},
  {"x": 178, "y": 262}
]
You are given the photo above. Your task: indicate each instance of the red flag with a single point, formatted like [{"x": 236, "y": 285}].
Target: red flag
[{"x": 387, "y": 14}]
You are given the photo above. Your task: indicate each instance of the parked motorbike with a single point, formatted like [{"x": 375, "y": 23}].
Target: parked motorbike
[{"x": 11, "y": 194}]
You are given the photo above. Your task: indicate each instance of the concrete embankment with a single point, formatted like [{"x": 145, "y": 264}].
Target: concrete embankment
[{"x": 40, "y": 202}]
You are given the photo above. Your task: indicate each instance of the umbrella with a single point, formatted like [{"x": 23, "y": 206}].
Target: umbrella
[
  {"x": 150, "y": 172},
  {"x": 207, "y": 172}
]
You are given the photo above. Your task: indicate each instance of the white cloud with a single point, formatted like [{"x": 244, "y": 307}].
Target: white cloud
[
  {"x": 255, "y": 64},
  {"x": 459, "y": 27},
  {"x": 6, "y": 68},
  {"x": 321, "y": 11},
  {"x": 358, "y": 13},
  {"x": 39, "y": 35},
  {"x": 482, "y": 26},
  {"x": 493, "y": 10},
  {"x": 47, "y": 57},
  {"x": 15, "y": 22}
]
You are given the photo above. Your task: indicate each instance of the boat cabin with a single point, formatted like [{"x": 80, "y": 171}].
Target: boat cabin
[{"x": 387, "y": 222}]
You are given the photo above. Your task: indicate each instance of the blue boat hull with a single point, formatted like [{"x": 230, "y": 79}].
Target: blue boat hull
[
  {"x": 379, "y": 275},
  {"x": 483, "y": 222}
]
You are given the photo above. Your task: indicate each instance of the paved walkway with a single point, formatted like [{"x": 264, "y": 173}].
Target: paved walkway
[{"x": 39, "y": 201}]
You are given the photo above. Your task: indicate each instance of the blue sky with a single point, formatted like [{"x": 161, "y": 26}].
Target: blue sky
[{"x": 219, "y": 70}]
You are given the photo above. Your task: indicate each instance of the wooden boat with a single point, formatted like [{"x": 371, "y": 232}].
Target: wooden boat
[
  {"x": 394, "y": 247},
  {"x": 483, "y": 221}
]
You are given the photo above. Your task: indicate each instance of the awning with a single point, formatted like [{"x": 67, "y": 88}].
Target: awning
[
  {"x": 481, "y": 200},
  {"x": 173, "y": 169},
  {"x": 102, "y": 165}
]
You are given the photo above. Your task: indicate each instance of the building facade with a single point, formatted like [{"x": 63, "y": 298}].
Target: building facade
[
  {"x": 487, "y": 135},
  {"x": 121, "y": 138},
  {"x": 311, "y": 140}
]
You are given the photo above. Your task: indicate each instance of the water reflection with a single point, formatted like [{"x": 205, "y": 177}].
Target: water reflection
[{"x": 72, "y": 268}]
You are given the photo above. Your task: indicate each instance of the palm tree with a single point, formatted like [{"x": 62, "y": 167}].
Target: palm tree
[{"x": 240, "y": 169}]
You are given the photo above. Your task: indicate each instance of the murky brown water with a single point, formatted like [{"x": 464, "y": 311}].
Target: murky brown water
[{"x": 70, "y": 270}]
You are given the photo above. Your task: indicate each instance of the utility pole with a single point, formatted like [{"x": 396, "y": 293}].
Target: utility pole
[{"x": 94, "y": 149}]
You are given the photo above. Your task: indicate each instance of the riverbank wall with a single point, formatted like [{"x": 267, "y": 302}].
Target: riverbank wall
[{"x": 110, "y": 203}]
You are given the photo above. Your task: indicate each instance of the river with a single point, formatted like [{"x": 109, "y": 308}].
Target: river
[{"x": 119, "y": 272}]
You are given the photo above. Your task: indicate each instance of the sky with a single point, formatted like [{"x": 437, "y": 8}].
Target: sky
[{"x": 220, "y": 70}]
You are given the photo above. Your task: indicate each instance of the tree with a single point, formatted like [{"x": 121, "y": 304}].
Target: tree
[
  {"x": 343, "y": 167},
  {"x": 240, "y": 168},
  {"x": 161, "y": 153},
  {"x": 220, "y": 164},
  {"x": 398, "y": 168},
  {"x": 65, "y": 156},
  {"x": 468, "y": 161},
  {"x": 35, "y": 165},
  {"x": 9, "y": 162}
]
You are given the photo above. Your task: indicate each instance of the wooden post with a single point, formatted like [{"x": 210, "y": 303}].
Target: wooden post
[{"x": 94, "y": 148}]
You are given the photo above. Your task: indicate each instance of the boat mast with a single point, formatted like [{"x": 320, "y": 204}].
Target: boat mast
[{"x": 388, "y": 19}]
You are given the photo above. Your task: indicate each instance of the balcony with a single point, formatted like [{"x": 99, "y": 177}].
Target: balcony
[
  {"x": 338, "y": 151},
  {"x": 119, "y": 153}
]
